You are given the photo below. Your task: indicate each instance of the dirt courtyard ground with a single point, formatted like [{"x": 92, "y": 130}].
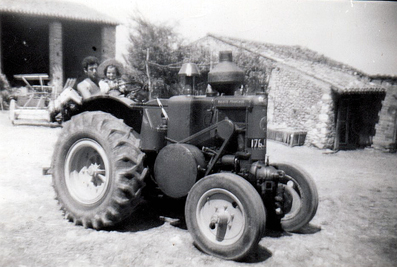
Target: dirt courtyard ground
[{"x": 356, "y": 223}]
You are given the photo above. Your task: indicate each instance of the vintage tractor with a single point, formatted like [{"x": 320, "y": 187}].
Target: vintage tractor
[{"x": 208, "y": 150}]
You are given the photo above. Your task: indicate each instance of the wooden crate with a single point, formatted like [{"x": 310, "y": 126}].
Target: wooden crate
[
  {"x": 287, "y": 136},
  {"x": 296, "y": 138}
]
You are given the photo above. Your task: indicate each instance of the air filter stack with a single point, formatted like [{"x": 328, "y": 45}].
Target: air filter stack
[{"x": 226, "y": 77}]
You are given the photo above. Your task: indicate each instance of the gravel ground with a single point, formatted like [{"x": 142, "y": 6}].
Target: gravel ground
[{"x": 356, "y": 223}]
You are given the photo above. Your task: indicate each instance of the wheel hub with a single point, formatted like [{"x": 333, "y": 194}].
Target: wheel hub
[
  {"x": 85, "y": 171},
  {"x": 223, "y": 221},
  {"x": 96, "y": 173},
  {"x": 221, "y": 216}
]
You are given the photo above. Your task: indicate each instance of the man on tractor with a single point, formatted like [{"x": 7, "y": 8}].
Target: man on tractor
[{"x": 86, "y": 88}]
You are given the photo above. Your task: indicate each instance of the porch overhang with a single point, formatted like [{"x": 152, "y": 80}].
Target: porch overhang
[{"x": 359, "y": 90}]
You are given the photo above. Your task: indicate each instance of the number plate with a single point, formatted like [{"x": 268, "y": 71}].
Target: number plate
[{"x": 257, "y": 143}]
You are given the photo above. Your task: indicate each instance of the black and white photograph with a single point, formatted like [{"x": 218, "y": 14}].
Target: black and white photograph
[{"x": 198, "y": 133}]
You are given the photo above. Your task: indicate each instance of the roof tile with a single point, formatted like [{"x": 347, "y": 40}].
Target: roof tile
[{"x": 57, "y": 9}]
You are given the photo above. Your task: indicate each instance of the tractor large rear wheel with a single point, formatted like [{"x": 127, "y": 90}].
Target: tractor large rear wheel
[
  {"x": 97, "y": 170},
  {"x": 225, "y": 215}
]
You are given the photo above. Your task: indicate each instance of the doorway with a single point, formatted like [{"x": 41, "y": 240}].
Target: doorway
[
  {"x": 356, "y": 116},
  {"x": 80, "y": 39},
  {"x": 25, "y": 45}
]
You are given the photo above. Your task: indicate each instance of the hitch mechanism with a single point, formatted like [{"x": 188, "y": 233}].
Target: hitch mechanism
[
  {"x": 267, "y": 180},
  {"x": 264, "y": 172}
]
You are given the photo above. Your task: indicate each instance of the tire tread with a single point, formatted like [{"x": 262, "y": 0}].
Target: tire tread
[{"x": 127, "y": 176}]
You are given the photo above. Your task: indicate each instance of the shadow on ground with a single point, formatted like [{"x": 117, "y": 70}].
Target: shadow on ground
[
  {"x": 153, "y": 212},
  {"x": 261, "y": 254}
]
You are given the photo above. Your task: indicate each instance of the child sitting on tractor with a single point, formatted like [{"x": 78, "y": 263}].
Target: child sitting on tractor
[{"x": 111, "y": 83}]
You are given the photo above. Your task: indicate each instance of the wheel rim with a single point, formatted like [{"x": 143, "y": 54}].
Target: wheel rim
[
  {"x": 293, "y": 198},
  {"x": 220, "y": 216},
  {"x": 86, "y": 171}
]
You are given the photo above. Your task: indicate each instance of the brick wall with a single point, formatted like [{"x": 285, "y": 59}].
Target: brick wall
[
  {"x": 56, "y": 55},
  {"x": 108, "y": 35}
]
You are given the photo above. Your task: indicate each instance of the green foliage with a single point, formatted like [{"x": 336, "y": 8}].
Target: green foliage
[
  {"x": 164, "y": 47},
  {"x": 256, "y": 68},
  {"x": 167, "y": 52}
]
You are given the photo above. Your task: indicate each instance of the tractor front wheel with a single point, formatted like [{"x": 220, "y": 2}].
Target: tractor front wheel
[{"x": 225, "y": 215}]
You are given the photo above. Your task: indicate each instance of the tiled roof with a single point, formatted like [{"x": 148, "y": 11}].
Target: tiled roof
[
  {"x": 341, "y": 77},
  {"x": 362, "y": 90},
  {"x": 56, "y": 9}
]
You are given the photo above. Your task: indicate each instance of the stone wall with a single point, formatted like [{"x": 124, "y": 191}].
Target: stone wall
[
  {"x": 323, "y": 134},
  {"x": 386, "y": 128},
  {"x": 300, "y": 102}
]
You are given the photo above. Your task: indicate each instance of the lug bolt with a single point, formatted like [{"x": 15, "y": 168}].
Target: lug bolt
[
  {"x": 213, "y": 222},
  {"x": 278, "y": 198},
  {"x": 279, "y": 211}
]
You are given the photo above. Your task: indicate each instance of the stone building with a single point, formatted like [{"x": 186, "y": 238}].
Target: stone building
[
  {"x": 338, "y": 107},
  {"x": 52, "y": 37}
]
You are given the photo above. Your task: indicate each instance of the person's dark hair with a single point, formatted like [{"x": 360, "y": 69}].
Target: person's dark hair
[
  {"x": 113, "y": 66},
  {"x": 89, "y": 61}
]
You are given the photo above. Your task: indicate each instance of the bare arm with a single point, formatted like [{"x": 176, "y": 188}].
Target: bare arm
[{"x": 83, "y": 90}]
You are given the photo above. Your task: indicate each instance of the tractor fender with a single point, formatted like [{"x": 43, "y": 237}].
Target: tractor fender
[{"x": 120, "y": 107}]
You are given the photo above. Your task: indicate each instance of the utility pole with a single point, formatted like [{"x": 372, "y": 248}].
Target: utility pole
[{"x": 148, "y": 73}]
